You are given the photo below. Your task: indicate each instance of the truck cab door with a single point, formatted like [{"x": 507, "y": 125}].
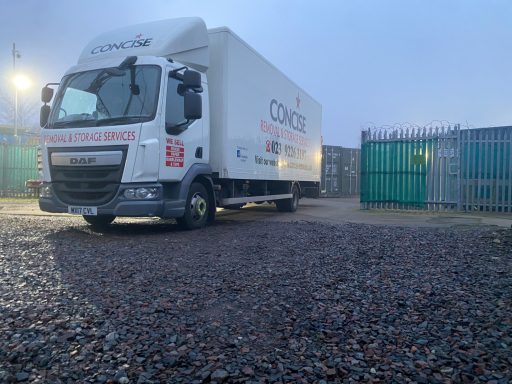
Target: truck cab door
[{"x": 187, "y": 143}]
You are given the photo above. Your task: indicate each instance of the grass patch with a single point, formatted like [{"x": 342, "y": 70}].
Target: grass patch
[{"x": 20, "y": 200}]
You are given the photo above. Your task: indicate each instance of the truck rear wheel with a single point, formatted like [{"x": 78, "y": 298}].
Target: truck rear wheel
[
  {"x": 100, "y": 221},
  {"x": 196, "y": 209},
  {"x": 289, "y": 205}
]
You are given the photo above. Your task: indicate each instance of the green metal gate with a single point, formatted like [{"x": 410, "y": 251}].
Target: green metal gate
[
  {"x": 17, "y": 165},
  {"x": 437, "y": 169},
  {"x": 486, "y": 164}
]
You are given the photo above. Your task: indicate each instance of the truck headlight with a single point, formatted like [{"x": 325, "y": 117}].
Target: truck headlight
[
  {"x": 141, "y": 193},
  {"x": 46, "y": 191}
]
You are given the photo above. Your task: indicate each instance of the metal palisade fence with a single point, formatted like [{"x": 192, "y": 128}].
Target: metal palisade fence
[
  {"x": 18, "y": 164},
  {"x": 441, "y": 169}
]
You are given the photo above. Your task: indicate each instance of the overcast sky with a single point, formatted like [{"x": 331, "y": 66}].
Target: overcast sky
[{"x": 376, "y": 63}]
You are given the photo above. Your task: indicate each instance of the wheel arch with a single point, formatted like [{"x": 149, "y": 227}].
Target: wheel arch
[
  {"x": 197, "y": 173},
  {"x": 207, "y": 182}
]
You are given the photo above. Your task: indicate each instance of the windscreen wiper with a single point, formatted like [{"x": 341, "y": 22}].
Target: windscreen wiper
[
  {"x": 74, "y": 123},
  {"x": 102, "y": 78},
  {"x": 119, "y": 119}
]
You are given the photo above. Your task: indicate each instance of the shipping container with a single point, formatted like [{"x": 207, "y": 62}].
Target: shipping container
[{"x": 340, "y": 171}]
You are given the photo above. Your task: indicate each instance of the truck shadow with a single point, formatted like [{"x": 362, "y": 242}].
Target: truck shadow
[
  {"x": 170, "y": 282},
  {"x": 131, "y": 227}
]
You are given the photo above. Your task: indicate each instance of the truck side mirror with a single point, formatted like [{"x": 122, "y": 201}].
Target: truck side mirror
[
  {"x": 46, "y": 94},
  {"x": 43, "y": 115},
  {"x": 192, "y": 80},
  {"x": 193, "y": 106}
]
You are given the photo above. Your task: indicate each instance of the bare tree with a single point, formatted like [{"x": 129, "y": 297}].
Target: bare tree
[{"x": 27, "y": 111}]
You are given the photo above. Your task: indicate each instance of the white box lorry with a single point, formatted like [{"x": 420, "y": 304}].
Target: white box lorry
[{"x": 169, "y": 119}]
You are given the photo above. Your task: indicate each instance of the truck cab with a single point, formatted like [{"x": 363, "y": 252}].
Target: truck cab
[{"x": 125, "y": 133}]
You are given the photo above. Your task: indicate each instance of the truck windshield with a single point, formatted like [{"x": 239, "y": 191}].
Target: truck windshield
[{"x": 108, "y": 96}]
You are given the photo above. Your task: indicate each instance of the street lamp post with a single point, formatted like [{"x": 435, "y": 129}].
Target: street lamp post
[{"x": 15, "y": 55}]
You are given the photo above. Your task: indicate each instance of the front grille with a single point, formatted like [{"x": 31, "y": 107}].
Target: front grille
[{"x": 87, "y": 185}]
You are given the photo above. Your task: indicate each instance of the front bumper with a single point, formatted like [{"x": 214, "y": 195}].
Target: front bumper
[{"x": 121, "y": 206}]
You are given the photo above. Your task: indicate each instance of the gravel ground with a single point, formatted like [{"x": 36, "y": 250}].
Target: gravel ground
[{"x": 253, "y": 302}]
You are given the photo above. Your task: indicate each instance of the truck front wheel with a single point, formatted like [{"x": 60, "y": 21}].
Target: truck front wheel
[
  {"x": 196, "y": 208},
  {"x": 100, "y": 221},
  {"x": 289, "y": 205}
]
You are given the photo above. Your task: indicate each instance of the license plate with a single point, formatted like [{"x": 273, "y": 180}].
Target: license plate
[{"x": 86, "y": 211}]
